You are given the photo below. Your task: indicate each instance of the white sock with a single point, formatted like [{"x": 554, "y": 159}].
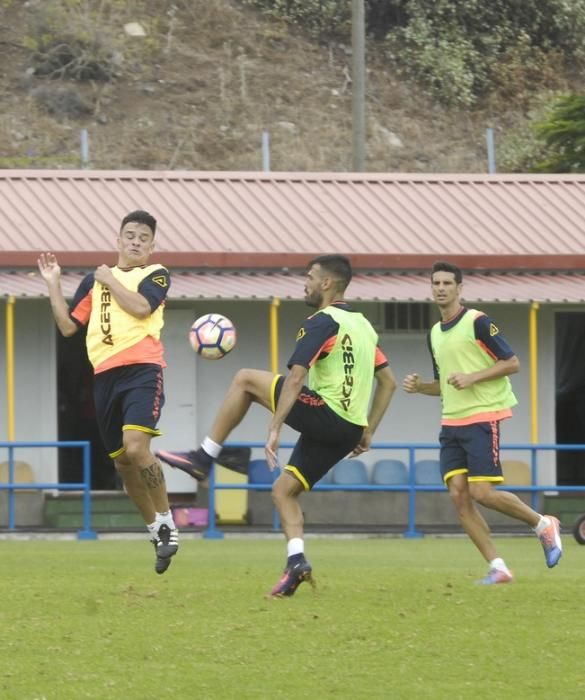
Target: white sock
[
  {"x": 212, "y": 448},
  {"x": 542, "y": 523},
  {"x": 295, "y": 546},
  {"x": 166, "y": 518},
  {"x": 152, "y": 528},
  {"x": 499, "y": 564}
]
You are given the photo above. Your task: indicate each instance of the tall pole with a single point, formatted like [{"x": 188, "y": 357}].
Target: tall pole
[
  {"x": 491, "y": 150},
  {"x": 10, "y": 367},
  {"x": 358, "y": 83},
  {"x": 266, "y": 151}
]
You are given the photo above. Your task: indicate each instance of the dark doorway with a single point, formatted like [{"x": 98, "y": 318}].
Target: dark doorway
[
  {"x": 570, "y": 395},
  {"x": 77, "y": 415}
]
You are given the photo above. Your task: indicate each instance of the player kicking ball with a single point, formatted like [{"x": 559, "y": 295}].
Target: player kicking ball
[{"x": 334, "y": 411}]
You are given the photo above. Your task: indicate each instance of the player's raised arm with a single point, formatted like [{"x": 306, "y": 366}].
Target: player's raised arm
[{"x": 51, "y": 273}]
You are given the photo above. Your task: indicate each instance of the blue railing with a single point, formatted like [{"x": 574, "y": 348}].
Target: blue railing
[
  {"x": 212, "y": 531},
  {"x": 86, "y": 533}
]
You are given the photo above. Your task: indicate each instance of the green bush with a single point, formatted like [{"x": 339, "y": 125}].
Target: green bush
[
  {"x": 448, "y": 65},
  {"x": 563, "y": 133},
  {"x": 319, "y": 18},
  {"x": 462, "y": 50},
  {"x": 459, "y": 50}
]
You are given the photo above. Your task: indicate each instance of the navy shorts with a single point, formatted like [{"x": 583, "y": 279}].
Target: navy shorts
[
  {"x": 127, "y": 398},
  {"x": 473, "y": 450},
  {"x": 325, "y": 436}
]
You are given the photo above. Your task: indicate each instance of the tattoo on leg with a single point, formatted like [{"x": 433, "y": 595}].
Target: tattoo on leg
[{"x": 153, "y": 475}]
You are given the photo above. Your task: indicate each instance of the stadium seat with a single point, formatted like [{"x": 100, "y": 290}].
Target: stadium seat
[
  {"x": 427, "y": 472},
  {"x": 326, "y": 479},
  {"x": 516, "y": 473},
  {"x": 231, "y": 506},
  {"x": 259, "y": 472},
  {"x": 23, "y": 473},
  {"x": 390, "y": 472},
  {"x": 350, "y": 471}
]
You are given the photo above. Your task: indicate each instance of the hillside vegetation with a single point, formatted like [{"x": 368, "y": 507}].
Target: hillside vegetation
[{"x": 192, "y": 84}]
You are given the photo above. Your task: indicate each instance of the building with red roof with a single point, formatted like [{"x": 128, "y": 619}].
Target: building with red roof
[{"x": 236, "y": 241}]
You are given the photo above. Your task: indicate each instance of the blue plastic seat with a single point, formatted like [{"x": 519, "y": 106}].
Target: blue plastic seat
[
  {"x": 259, "y": 472},
  {"x": 390, "y": 472},
  {"x": 427, "y": 472},
  {"x": 326, "y": 479},
  {"x": 349, "y": 472}
]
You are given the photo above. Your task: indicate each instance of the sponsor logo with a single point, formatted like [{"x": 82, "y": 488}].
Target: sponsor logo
[
  {"x": 301, "y": 334},
  {"x": 161, "y": 280},
  {"x": 105, "y": 318},
  {"x": 494, "y": 330},
  {"x": 348, "y": 367}
]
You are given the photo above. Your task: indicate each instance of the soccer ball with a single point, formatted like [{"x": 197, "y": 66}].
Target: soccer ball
[{"x": 212, "y": 336}]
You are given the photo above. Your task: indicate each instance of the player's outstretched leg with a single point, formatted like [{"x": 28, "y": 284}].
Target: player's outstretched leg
[
  {"x": 196, "y": 463},
  {"x": 549, "y": 534},
  {"x": 296, "y": 571}
]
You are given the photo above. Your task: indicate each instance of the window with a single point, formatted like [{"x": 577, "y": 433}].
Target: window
[{"x": 411, "y": 317}]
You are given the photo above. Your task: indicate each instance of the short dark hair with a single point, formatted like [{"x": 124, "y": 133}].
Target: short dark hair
[
  {"x": 336, "y": 265},
  {"x": 141, "y": 217},
  {"x": 442, "y": 266}
]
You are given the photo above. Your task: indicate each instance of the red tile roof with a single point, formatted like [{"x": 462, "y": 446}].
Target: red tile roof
[
  {"x": 504, "y": 287},
  {"x": 275, "y": 220}
]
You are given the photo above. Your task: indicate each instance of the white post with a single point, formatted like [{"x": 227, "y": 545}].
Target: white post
[
  {"x": 84, "y": 145},
  {"x": 358, "y": 84},
  {"x": 266, "y": 151}
]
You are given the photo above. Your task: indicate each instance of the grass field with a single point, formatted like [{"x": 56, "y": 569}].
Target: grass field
[{"x": 391, "y": 618}]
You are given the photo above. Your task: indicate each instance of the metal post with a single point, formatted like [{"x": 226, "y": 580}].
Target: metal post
[
  {"x": 358, "y": 78},
  {"x": 491, "y": 150},
  {"x": 534, "y": 496},
  {"x": 266, "y": 151},
  {"x": 11, "y": 494},
  {"x": 274, "y": 304},
  {"x": 412, "y": 532},
  {"x": 211, "y": 533},
  {"x": 275, "y": 517},
  {"x": 86, "y": 533},
  {"x": 84, "y": 148},
  {"x": 10, "y": 368}
]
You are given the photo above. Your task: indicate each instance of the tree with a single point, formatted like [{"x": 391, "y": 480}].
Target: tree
[{"x": 564, "y": 136}]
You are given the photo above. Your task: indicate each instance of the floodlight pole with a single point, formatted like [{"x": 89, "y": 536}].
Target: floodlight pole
[{"x": 358, "y": 83}]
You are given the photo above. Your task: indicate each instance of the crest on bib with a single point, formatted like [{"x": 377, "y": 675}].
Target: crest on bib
[{"x": 161, "y": 280}]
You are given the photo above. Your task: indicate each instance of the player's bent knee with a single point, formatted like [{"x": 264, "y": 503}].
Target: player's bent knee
[
  {"x": 285, "y": 487},
  {"x": 482, "y": 494}
]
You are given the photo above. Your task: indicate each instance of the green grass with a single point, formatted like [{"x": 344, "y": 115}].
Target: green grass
[{"x": 391, "y": 618}]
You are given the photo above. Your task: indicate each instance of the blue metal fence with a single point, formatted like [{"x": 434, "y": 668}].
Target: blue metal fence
[
  {"x": 213, "y": 532},
  {"x": 86, "y": 533}
]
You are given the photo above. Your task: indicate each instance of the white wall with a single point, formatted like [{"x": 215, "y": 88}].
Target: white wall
[{"x": 35, "y": 385}]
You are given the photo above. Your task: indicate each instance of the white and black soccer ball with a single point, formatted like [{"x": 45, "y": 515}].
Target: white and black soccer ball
[{"x": 212, "y": 336}]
